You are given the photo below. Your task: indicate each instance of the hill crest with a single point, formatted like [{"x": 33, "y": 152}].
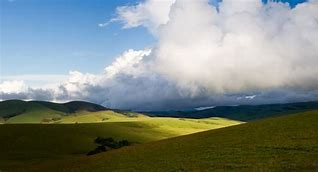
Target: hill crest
[{"x": 11, "y": 108}]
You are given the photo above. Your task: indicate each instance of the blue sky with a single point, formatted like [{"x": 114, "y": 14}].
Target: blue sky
[{"x": 56, "y": 36}]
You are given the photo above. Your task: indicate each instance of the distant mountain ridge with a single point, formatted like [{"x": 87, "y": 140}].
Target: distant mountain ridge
[
  {"x": 241, "y": 112},
  {"x": 11, "y": 108}
]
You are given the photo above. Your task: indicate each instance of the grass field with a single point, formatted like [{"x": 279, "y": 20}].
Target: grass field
[
  {"x": 25, "y": 145},
  {"x": 45, "y": 136},
  {"x": 288, "y": 143}
]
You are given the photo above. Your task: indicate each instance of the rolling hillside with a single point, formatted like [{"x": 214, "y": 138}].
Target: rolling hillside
[
  {"x": 281, "y": 143},
  {"x": 18, "y": 111},
  {"x": 242, "y": 112},
  {"x": 26, "y": 145},
  {"x": 10, "y": 108},
  {"x": 286, "y": 143}
]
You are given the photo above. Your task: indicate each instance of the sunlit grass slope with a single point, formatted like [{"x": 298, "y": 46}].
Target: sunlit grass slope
[
  {"x": 288, "y": 143},
  {"x": 38, "y": 115},
  {"x": 48, "y": 116},
  {"x": 101, "y": 116},
  {"x": 25, "y": 145},
  {"x": 20, "y": 111}
]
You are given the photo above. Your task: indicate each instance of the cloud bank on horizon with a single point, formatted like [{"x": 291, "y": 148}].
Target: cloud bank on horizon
[{"x": 244, "y": 52}]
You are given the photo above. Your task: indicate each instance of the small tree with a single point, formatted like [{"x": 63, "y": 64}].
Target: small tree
[{"x": 105, "y": 144}]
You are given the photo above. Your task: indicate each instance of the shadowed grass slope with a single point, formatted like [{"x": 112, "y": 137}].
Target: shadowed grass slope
[{"x": 288, "y": 143}]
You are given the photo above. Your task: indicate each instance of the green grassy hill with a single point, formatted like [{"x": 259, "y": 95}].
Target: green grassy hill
[
  {"x": 25, "y": 145},
  {"x": 286, "y": 143},
  {"x": 18, "y": 111}
]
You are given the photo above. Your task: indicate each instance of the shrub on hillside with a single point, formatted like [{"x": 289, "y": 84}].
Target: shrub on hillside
[{"x": 105, "y": 144}]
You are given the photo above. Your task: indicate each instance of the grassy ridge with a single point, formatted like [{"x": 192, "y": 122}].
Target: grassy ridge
[
  {"x": 35, "y": 111},
  {"x": 279, "y": 144},
  {"x": 23, "y": 145},
  {"x": 17, "y": 111}
]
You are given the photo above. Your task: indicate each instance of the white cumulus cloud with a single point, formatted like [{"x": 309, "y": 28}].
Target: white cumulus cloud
[
  {"x": 245, "y": 46},
  {"x": 150, "y": 14},
  {"x": 127, "y": 63},
  {"x": 13, "y": 86}
]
